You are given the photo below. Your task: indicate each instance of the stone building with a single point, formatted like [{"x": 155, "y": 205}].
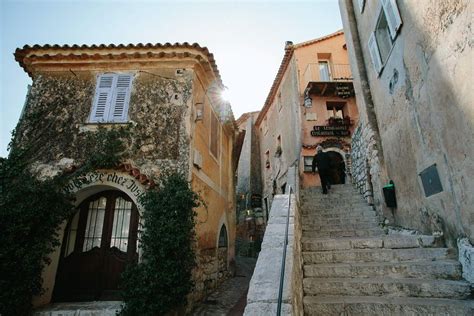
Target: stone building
[
  {"x": 412, "y": 63},
  {"x": 250, "y": 216},
  {"x": 168, "y": 97},
  {"x": 310, "y": 103}
]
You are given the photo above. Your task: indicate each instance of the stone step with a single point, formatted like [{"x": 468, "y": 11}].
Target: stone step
[
  {"x": 375, "y": 306},
  {"x": 334, "y": 188},
  {"x": 345, "y": 233},
  {"x": 337, "y": 227},
  {"x": 323, "y": 220},
  {"x": 442, "y": 269},
  {"x": 103, "y": 308},
  {"x": 337, "y": 210},
  {"x": 333, "y": 200},
  {"x": 347, "y": 212},
  {"x": 387, "y": 287},
  {"x": 376, "y": 255},
  {"x": 387, "y": 241}
]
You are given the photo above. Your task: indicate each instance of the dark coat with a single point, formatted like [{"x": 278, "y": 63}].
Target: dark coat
[{"x": 322, "y": 161}]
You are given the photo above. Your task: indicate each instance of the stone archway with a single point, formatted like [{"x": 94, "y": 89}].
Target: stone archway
[
  {"x": 340, "y": 165},
  {"x": 90, "y": 184},
  {"x": 100, "y": 240},
  {"x": 222, "y": 251}
]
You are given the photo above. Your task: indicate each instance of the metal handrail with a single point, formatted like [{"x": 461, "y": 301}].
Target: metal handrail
[{"x": 283, "y": 262}]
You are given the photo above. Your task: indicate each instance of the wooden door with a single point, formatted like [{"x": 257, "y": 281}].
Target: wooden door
[{"x": 100, "y": 240}]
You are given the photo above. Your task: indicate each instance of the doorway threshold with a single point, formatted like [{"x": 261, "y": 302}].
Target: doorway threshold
[{"x": 95, "y": 308}]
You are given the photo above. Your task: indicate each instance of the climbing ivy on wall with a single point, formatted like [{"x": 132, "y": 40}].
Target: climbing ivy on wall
[
  {"x": 162, "y": 279},
  {"x": 32, "y": 210}
]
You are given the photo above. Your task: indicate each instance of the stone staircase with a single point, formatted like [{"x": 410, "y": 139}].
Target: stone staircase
[{"x": 352, "y": 267}]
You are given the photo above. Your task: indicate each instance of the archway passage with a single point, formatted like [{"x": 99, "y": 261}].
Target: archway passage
[
  {"x": 222, "y": 251},
  {"x": 99, "y": 241},
  {"x": 338, "y": 168}
]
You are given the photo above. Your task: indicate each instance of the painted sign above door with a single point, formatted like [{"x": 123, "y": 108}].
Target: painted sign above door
[
  {"x": 119, "y": 180},
  {"x": 342, "y": 130}
]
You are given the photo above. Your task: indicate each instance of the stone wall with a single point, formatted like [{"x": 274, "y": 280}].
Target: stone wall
[
  {"x": 55, "y": 124},
  {"x": 297, "y": 273},
  {"x": 466, "y": 258},
  {"x": 282, "y": 121},
  {"x": 420, "y": 109},
  {"x": 262, "y": 296},
  {"x": 211, "y": 270},
  {"x": 365, "y": 164}
]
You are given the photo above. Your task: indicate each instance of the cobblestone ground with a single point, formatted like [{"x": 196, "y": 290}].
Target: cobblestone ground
[{"x": 230, "y": 297}]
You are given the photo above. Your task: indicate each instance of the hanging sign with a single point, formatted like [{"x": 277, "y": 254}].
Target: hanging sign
[{"x": 344, "y": 91}]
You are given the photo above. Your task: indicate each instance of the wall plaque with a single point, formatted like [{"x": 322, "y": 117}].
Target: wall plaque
[
  {"x": 430, "y": 180},
  {"x": 344, "y": 91}
]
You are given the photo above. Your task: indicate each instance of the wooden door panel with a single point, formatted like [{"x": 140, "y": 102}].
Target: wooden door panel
[{"x": 95, "y": 274}]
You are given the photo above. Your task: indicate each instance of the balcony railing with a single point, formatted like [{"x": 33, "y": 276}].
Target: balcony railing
[{"x": 327, "y": 72}]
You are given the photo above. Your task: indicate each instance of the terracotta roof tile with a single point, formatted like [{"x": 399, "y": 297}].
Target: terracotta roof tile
[
  {"x": 97, "y": 52},
  {"x": 289, "y": 49},
  {"x": 319, "y": 39}
]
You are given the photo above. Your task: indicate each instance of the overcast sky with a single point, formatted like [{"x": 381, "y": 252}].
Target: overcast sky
[{"x": 247, "y": 38}]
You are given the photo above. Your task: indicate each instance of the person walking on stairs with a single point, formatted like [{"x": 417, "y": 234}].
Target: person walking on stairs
[{"x": 323, "y": 162}]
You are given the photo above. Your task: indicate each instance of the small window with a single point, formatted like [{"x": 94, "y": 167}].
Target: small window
[
  {"x": 111, "y": 99},
  {"x": 335, "y": 109},
  {"x": 223, "y": 237},
  {"x": 280, "y": 104},
  {"x": 382, "y": 39},
  {"x": 265, "y": 127},
  {"x": 308, "y": 163},
  {"x": 278, "y": 150},
  {"x": 324, "y": 74},
  {"x": 267, "y": 159},
  {"x": 361, "y": 5},
  {"x": 214, "y": 146}
]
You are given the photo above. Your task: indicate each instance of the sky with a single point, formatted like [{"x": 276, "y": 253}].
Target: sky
[{"x": 246, "y": 37}]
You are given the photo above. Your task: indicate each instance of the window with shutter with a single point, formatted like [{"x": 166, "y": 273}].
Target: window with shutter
[
  {"x": 361, "y": 5},
  {"x": 111, "y": 98},
  {"x": 382, "y": 40},
  {"x": 374, "y": 53},
  {"x": 392, "y": 15},
  {"x": 214, "y": 146}
]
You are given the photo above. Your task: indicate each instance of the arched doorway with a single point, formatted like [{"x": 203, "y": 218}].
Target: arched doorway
[
  {"x": 222, "y": 249},
  {"x": 338, "y": 168},
  {"x": 99, "y": 241}
]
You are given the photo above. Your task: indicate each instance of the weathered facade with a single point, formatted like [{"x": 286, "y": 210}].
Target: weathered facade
[
  {"x": 277, "y": 125},
  {"x": 167, "y": 96},
  {"x": 413, "y": 63},
  {"x": 329, "y": 112},
  {"x": 250, "y": 216},
  {"x": 311, "y": 103}
]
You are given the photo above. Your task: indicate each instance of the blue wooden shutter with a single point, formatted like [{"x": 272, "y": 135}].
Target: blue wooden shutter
[
  {"x": 102, "y": 98},
  {"x": 392, "y": 15},
  {"x": 121, "y": 97},
  {"x": 374, "y": 53},
  {"x": 361, "y": 5}
]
